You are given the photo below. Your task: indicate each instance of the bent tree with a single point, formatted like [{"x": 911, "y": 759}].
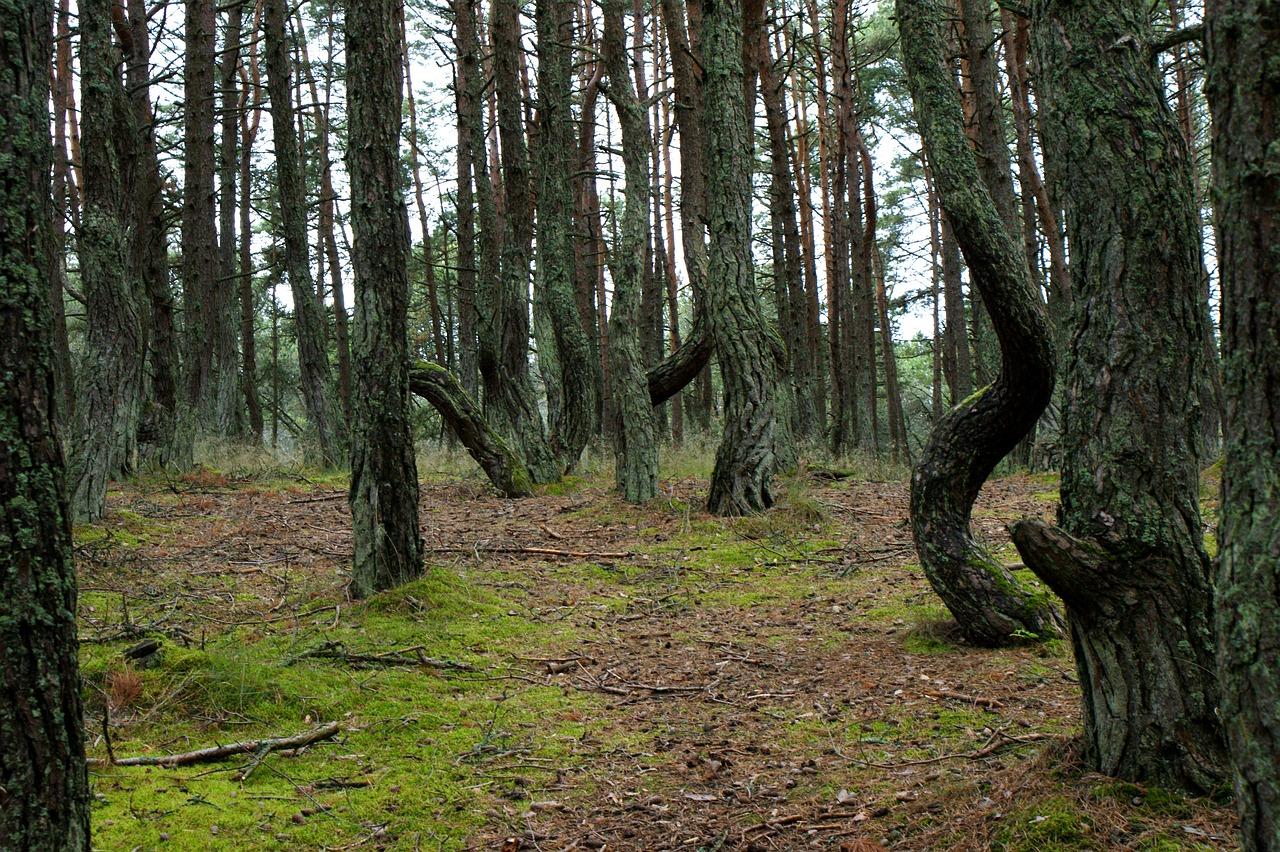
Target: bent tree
[
  {"x": 44, "y": 785},
  {"x": 384, "y": 477},
  {"x": 1127, "y": 557},
  {"x": 988, "y": 602},
  {"x": 1243, "y": 41},
  {"x": 745, "y": 345}
]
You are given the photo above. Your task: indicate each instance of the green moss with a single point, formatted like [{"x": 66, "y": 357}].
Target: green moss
[{"x": 1051, "y": 825}]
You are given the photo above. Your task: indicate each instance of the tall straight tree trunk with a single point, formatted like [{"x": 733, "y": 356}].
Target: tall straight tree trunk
[
  {"x": 250, "y": 121},
  {"x": 468, "y": 367},
  {"x": 328, "y": 244},
  {"x": 45, "y": 800},
  {"x": 109, "y": 378},
  {"x": 226, "y": 356},
  {"x": 576, "y": 420},
  {"x": 989, "y": 604},
  {"x": 1128, "y": 555},
  {"x": 788, "y": 265},
  {"x": 415, "y": 170},
  {"x": 1242, "y": 42},
  {"x": 747, "y": 350},
  {"x": 151, "y": 249},
  {"x": 200, "y": 298},
  {"x": 635, "y": 441},
  {"x": 384, "y": 477},
  {"x": 62, "y": 188},
  {"x": 324, "y": 416},
  {"x": 502, "y": 311}
]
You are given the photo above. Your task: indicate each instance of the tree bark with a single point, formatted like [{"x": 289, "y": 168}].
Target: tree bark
[
  {"x": 44, "y": 785},
  {"x": 1242, "y": 42},
  {"x": 500, "y": 463},
  {"x": 109, "y": 380},
  {"x": 1129, "y": 559},
  {"x": 325, "y": 418},
  {"x": 576, "y": 420},
  {"x": 747, "y": 349},
  {"x": 249, "y": 125},
  {"x": 200, "y": 297},
  {"x": 635, "y": 441},
  {"x": 384, "y": 477},
  {"x": 151, "y": 253},
  {"x": 989, "y": 604},
  {"x": 226, "y": 356}
]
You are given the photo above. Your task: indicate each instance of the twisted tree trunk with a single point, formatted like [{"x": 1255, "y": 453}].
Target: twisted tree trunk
[
  {"x": 747, "y": 348},
  {"x": 990, "y": 605}
]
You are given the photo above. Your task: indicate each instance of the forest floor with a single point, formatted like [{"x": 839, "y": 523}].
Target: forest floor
[{"x": 573, "y": 672}]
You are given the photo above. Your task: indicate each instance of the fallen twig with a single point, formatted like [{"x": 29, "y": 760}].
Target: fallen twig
[{"x": 215, "y": 753}]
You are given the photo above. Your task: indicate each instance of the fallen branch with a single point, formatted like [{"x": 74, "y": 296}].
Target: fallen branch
[
  {"x": 216, "y": 753},
  {"x": 989, "y": 703},
  {"x": 535, "y": 551},
  {"x": 408, "y": 657}
]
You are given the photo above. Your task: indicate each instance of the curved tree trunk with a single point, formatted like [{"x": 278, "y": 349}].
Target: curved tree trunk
[
  {"x": 635, "y": 442},
  {"x": 991, "y": 606},
  {"x": 384, "y": 477},
  {"x": 109, "y": 381},
  {"x": 1242, "y": 43},
  {"x": 500, "y": 463},
  {"x": 1129, "y": 559},
  {"x": 746, "y": 347},
  {"x": 44, "y": 786},
  {"x": 313, "y": 360}
]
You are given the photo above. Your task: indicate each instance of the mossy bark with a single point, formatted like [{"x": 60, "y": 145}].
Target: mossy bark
[
  {"x": 1128, "y": 559},
  {"x": 44, "y": 785},
  {"x": 503, "y": 466},
  {"x": 635, "y": 440},
  {"x": 1242, "y": 43},
  {"x": 323, "y": 413},
  {"x": 501, "y": 292},
  {"x": 109, "y": 379},
  {"x": 575, "y": 421},
  {"x": 989, "y": 604},
  {"x": 747, "y": 348},
  {"x": 384, "y": 477}
]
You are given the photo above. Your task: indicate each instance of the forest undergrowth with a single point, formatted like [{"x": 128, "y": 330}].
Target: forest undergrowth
[{"x": 574, "y": 672}]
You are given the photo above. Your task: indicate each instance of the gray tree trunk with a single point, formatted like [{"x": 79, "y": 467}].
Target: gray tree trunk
[
  {"x": 1128, "y": 558},
  {"x": 44, "y": 785},
  {"x": 635, "y": 441},
  {"x": 109, "y": 380},
  {"x": 323, "y": 414},
  {"x": 748, "y": 351},
  {"x": 384, "y": 478},
  {"x": 989, "y": 604},
  {"x": 1242, "y": 44}
]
